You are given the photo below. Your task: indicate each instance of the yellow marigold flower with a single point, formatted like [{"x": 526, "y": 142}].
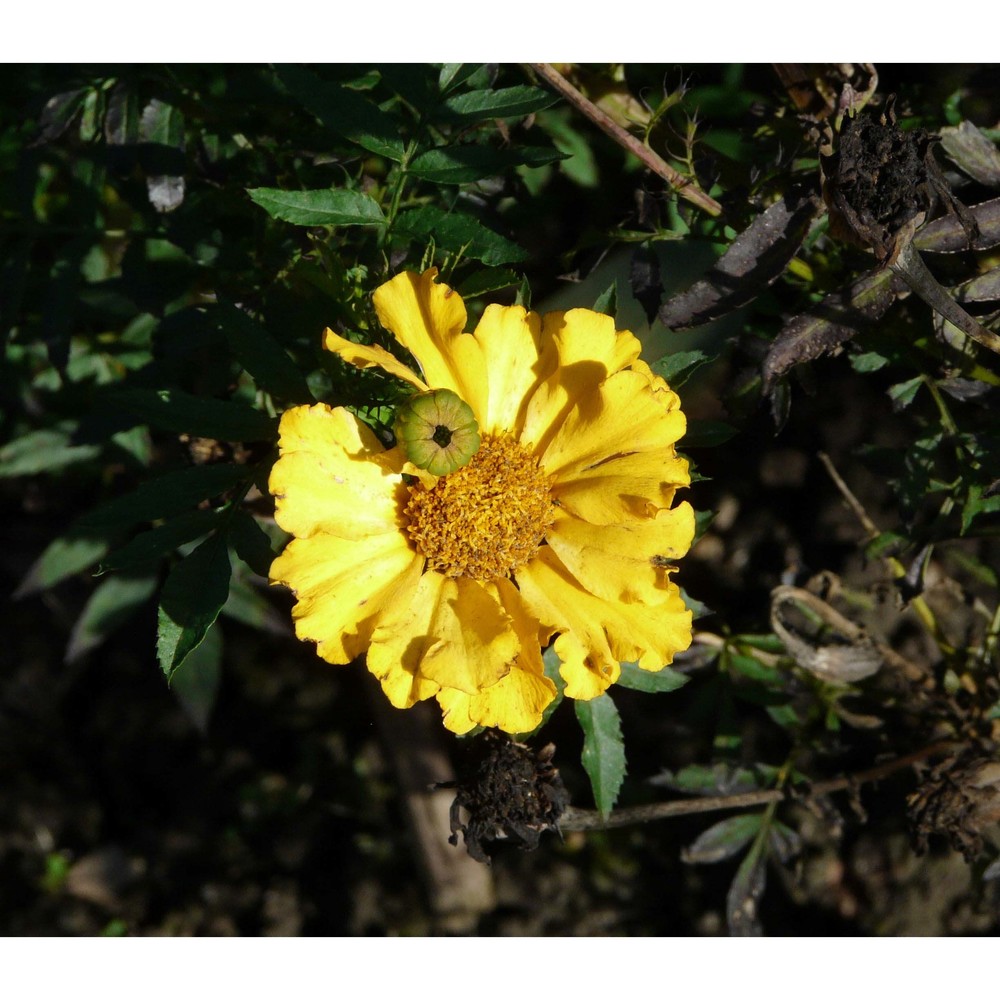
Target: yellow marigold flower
[{"x": 561, "y": 524}]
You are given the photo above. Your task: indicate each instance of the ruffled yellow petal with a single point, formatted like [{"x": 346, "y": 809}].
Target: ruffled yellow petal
[
  {"x": 630, "y": 486},
  {"x": 373, "y": 356},
  {"x": 344, "y": 588},
  {"x": 451, "y": 632},
  {"x": 622, "y": 416},
  {"x": 516, "y": 702},
  {"x": 598, "y": 634},
  {"x": 509, "y": 337},
  {"x": 580, "y": 349},
  {"x": 428, "y": 319},
  {"x": 334, "y": 476},
  {"x": 628, "y": 561}
]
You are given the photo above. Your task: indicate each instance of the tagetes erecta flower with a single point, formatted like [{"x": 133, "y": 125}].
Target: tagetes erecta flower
[{"x": 560, "y": 525}]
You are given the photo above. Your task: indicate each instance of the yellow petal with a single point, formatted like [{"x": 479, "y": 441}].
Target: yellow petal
[
  {"x": 428, "y": 318},
  {"x": 628, "y": 561},
  {"x": 333, "y": 476},
  {"x": 516, "y": 702},
  {"x": 343, "y": 588},
  {"x": 624, "y": 487},
  {"x": 509, "y": 337},
  {"x": 580, "y": 349},
  {"x": 373, "y": 356},
  {"x": 452, "y": 633},
  {"x": 622, "y": 416},
  {"x": 598, "y": 634}
]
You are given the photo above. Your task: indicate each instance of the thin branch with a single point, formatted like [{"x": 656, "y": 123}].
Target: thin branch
[
  {"x": 684, "y": 186},
  {"x": 589, "y": 819}
]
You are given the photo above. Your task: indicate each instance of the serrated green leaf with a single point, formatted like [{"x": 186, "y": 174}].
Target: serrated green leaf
[
  {"x": 148, "y": 547},
  {"x": 345, "y": 112},
  {"x": 607, "y": 301},
  {"x": 723, "y": 840},
  {"x": 903, "y": 393},
  {"x": 251, "y": 543},
  {"x": 164, "y": 496},
  {"x": 112, "y": 603},
  {"x": 176, "y": 410},
  {"x": 330, "y": 207},
  {"x": 487, "y": 281},
  {"x": 651, "y": 681},
  {"x": 603, "y": 756},
  {"x": 456, "y": 231},
  {"x": 262, "y": 356},
  {"x": 190, "y": 602},
  {"x": 64, "y": 557},
  {"x": 869, "y": 361},
  {"x": 196, "y": 682},
  {"x": 47, "y": 450},
  {"x": 461, "y": 164},
  {"x": 506, "y": 102},
  {"x": 677, "y": 368}
]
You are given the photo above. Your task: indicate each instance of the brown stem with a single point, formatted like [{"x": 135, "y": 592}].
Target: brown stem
[
  {"x": 684, "y": 186},
  {"x": 589, "y": 819}
]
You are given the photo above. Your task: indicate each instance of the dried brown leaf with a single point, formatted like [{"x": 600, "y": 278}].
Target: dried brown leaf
[
  {"x": 948, "y": 235},
  {"x": 973, "y": 153}
]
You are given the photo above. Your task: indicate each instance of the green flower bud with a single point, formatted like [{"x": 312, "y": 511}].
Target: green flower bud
[{"x": 438, "y": 431}]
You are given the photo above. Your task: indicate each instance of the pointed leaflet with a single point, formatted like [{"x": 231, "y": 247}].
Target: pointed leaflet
[
  {"x": 603, "y": 755},
  {"x": 754, "y": 260},
  {"x": 196, "y": 684},
  {"x": 506, "y": 102},
  {"x": 191, "y": 599},
  {"x": 650, "y": 681},
  {"x": 112, "y": 603},
  {"x": 723, "y": 840},
  {"x": 330, "y": 207},
  {"x": 456, "y": 231},
  {"x": 459, "y": 164},
  {"x": 176, "y": 410}
]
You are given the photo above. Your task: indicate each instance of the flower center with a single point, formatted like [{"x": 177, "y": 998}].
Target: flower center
[{"x": 485, "y": 519}]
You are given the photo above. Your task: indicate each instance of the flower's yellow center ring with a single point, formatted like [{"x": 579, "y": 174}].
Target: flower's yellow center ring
[{"x": 485, "y": 519}]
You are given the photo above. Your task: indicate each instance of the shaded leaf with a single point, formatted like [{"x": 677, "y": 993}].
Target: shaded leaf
[
  {"x": 148, "y": 547},
  {"x": 196, "y": 682},
  {"x": 903, "y": 393},
  {"x": 456, "y": 231},
  {"x": 63, "y": 557},
  {"x": 679, "y": 367},
  {"x": 603, "y": 756},
  {"x": 453, "y": 75},
  {"x": 506, "y": 102},
  {"x": 869, "y": 361},
  {"x": 164, "y": 496},
  {"x": 330, "y": 207},
  {"x": 707, "y": 433},
  {"x": 176, "y": 410},
  {"x": 947, "y": 235},
  {"x": 982, "y": 288},
  {"x": 607, "y": 301},
  {"x": 58, "y": 114},
  {"x": 190, "y": 602},
  {"x": 248, "y": 606},
  {"x": 972, "y": 152},
  {"x": 754, "y": 260},
  {"x": 460, "y": 164},
  {"x": 645, "y": 279},
  {"x": 745, "y": 892},
  {"x": 251, "y": 543},
  {"x": 723, "y": 840},
  {"x": 47, "y": 450},
  {"x": 345, "y": 112},
  {"x": 651, "y": 681},
  {"x": 262, "y": 356},
  {"x": 486, "y": 281},
  {"x": 977, "y": 503},
  {"x": 717, "y": 779},
  {"x": 838, "y": 318},
  {"x": 111, "y": 604},
  {"x": 783, "y": 843}
]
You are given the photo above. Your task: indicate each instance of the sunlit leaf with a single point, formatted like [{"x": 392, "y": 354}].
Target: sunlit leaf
[
  {"x": 603, "y": 755},
  {"x": 505, "y": 102},
  {"x": 331, "y": 207}
]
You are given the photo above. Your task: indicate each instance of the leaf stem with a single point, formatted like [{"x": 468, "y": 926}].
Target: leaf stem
[{"x": 684, "y": 186}]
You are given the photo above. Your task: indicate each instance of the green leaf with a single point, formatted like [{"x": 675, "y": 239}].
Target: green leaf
[
  {"x": 248, "y": 606},
  {"x": 723, "y": 840},
  {"x": 487, "y": 281},
  {"x": 176, "y": 410},
  {"x": 523, "y": 297},
  {"x": 976, "y": 504},
  {"x": 63, "y": 557},
  {"x": 164, "y": 496},
  {"x": 651, "y": 681},
  {"x": 148, "y": 547},
  {"x": 262, "y": 356},
  {"x": 456, "y": 231},
  {"x": 607, "y": 301},
  {"x": 112, "y": 603},
  {"x": 46, "y": 450},
  {"x": 707, "y": 434},
  {"x": 331, "y": 207},
  {"x": 506, "y": 102},
  {"x": 678, "y": 368},
  {"x": 345, "y": 112},
  {"x": 251, "y": 542},
  {"x": 192, "y": 597},
  {"x": 720, "y": 778},
  {"x": 903, "y": 393},
  {"x": 461, "y": 164},
  {"x": 869, "y": 361},
  {"x": 743, "y": 898},
  {"x": 603, "y": 755},
  {"x": 196, "y": 682},
  {"x": 454, "y": 74}
]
